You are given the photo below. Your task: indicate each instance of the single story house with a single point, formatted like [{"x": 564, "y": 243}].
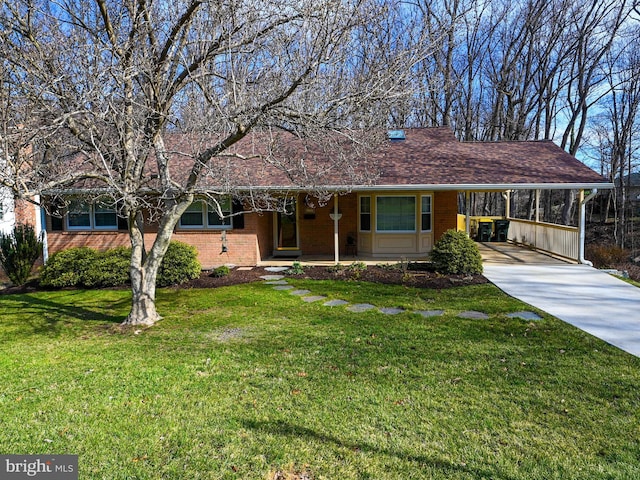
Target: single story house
[{"x": 410, "y": 204}]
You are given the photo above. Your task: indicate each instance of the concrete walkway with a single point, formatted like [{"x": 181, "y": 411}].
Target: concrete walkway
[{"x": 585, "y": 297}]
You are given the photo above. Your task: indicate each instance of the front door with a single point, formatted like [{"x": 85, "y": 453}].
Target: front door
[{"x": 287, "y": 228}]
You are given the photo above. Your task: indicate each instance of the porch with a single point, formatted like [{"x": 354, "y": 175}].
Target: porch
[{"x": 493, "y": 253}]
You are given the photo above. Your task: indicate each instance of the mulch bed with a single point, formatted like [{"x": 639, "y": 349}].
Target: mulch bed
[
  {"x": 378, "y": 274},
  {"x": 414, "y": 277}
]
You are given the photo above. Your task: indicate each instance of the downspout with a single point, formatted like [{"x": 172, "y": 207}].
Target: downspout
[
  {"x": 581, "y": 230},
  {"x": 41, "y": 227}
]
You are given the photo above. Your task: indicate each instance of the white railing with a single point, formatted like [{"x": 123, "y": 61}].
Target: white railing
[{"x": 557, "y": 239}]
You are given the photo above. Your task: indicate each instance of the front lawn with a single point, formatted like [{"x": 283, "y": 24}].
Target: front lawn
[{"x": 246, "y": 382}]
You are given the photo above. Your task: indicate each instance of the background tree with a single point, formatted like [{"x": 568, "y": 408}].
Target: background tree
[{"x": 107, "y": 83}]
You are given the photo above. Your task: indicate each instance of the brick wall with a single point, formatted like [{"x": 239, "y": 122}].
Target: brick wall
[
  {"x": 445, "y": 212},
  {"x": 316, "y": 234},
  {"x": 242, "y": 246}
]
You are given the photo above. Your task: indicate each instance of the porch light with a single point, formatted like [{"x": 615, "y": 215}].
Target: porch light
[{"x": 335, "y": 216}]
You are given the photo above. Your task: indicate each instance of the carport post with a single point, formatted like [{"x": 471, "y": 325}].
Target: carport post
[
  {"x": 467, "y": 206},
  {"x": 336, "y": 237}
]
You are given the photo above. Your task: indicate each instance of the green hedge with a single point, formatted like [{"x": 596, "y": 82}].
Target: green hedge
[
  {"x": 456, "y": 253},
  {"x": 68, "y": 268},
  {"x": 179, "y": 265},
  {"x": 85, "y": 267}
]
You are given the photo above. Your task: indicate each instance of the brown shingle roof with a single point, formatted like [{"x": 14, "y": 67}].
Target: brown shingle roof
[
  {"x": 432, "y": 156},
  {"x": 428, "y": 158}
]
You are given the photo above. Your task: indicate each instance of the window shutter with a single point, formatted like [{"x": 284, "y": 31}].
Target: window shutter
[
  {"x": 238, "y": 218},
  {"x": 57, "y": 224},
  {"x": 123, "y": 223}
]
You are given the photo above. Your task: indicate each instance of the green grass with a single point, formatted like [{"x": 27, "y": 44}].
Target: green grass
[{"x": 242, "y": 382}]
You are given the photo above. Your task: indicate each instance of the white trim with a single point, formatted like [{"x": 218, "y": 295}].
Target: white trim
[{"x": 420, "y": 213}]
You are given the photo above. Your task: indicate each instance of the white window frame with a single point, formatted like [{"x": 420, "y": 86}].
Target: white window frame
[
  {"x": 205, "y": 210},
  {"x": 360, "y": 213},
  {"x": 377, "y": 210},
  {"x": 430, "y": 213},
  {"x": 91, "y": 212}
]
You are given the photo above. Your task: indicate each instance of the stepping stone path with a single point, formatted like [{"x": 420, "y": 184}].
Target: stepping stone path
[
  {"x": 283, "y": 287},
  {"x": 313, "y": 298},
  {"x": 272, "y": 277},
  {"x": 335, "y": 303},
  {"x": 472, "y": 314},
  {"x": 525, "y": 316},
  {"x": 361, "y": 307},
  {"x": 392, "y": 311},
  {"x": 280, "y": 283},
  {"x": 300, "y": 293}
]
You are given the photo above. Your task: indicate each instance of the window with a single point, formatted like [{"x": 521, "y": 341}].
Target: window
[
  {"x": 396, "y": 214},
  {"x": 214, "y": 220},
  {"x": 193, "y": 216},
  {"x": 202, "y": 215},
  {"x": 365, "y": 214},
  {"x": 104, "y": 216},
  {"x": 425, "y": 213},
  {"x": 79, "y": 215},
  {"x": 86, "y": 216}
]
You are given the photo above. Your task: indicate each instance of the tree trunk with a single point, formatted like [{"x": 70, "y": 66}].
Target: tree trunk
[{"x": 144, "y": 267}]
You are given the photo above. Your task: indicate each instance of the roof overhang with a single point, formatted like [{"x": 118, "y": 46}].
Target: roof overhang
[{"x": 497, "y": 187}]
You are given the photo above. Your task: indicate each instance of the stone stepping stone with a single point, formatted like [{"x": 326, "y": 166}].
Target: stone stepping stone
[
  {"x": 276, "y": 282},
  {"x": 473, "y": 315},
  {"x": 276, "y": 269},
  {"x": 283, "y": 287},
  {"x": 313, "y": 298},
  {"x": 430, "y": 313},
  {"x": 244, "y": 269},
  {"x": 361, "y": 307},
  {"x": 300, "y": 292},
  {"x": 272, "y": 277},
  {"x": 391, "y": 310},
  {"x": 525, "y": 315},
  {"x": 335, "y": 303}
]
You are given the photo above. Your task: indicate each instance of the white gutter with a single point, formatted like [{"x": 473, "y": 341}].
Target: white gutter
[
  {"x": 473, "y": 187},
  {"x": 581, "y": 230}
]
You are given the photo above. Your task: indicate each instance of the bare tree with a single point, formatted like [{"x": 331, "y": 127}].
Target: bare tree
[{"x": 111, "y": 80}]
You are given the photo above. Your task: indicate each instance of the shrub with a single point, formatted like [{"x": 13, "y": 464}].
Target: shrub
[
  {"x": 221, "y": 271},
  {"x": 18, "y": 252},
  {"x": 180, "y": 264},
  {"x": 296, "y": 269},
  {"x": 456, "y": 253},
  {"x": 68, "y": 268},
  {"x": 109, "y": 269},
  {"x": 607, "y": 256}
]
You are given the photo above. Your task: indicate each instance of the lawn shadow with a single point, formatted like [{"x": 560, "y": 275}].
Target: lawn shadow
[
  {"x": 285, "y": 429},
  {"x": 50, "y": 313}
]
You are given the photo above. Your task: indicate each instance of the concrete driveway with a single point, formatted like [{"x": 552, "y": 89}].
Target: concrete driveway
[{"x": 585, "y": 297}]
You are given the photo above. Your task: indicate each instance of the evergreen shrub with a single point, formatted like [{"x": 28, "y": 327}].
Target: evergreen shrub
[
  {"x": 179, "y": 265},
  {"x": 19, "y": 250},
  {"x": 456, "y": 253},
  {"x": 68, "y": 268},
  {"x": 110, "y": 269}
]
